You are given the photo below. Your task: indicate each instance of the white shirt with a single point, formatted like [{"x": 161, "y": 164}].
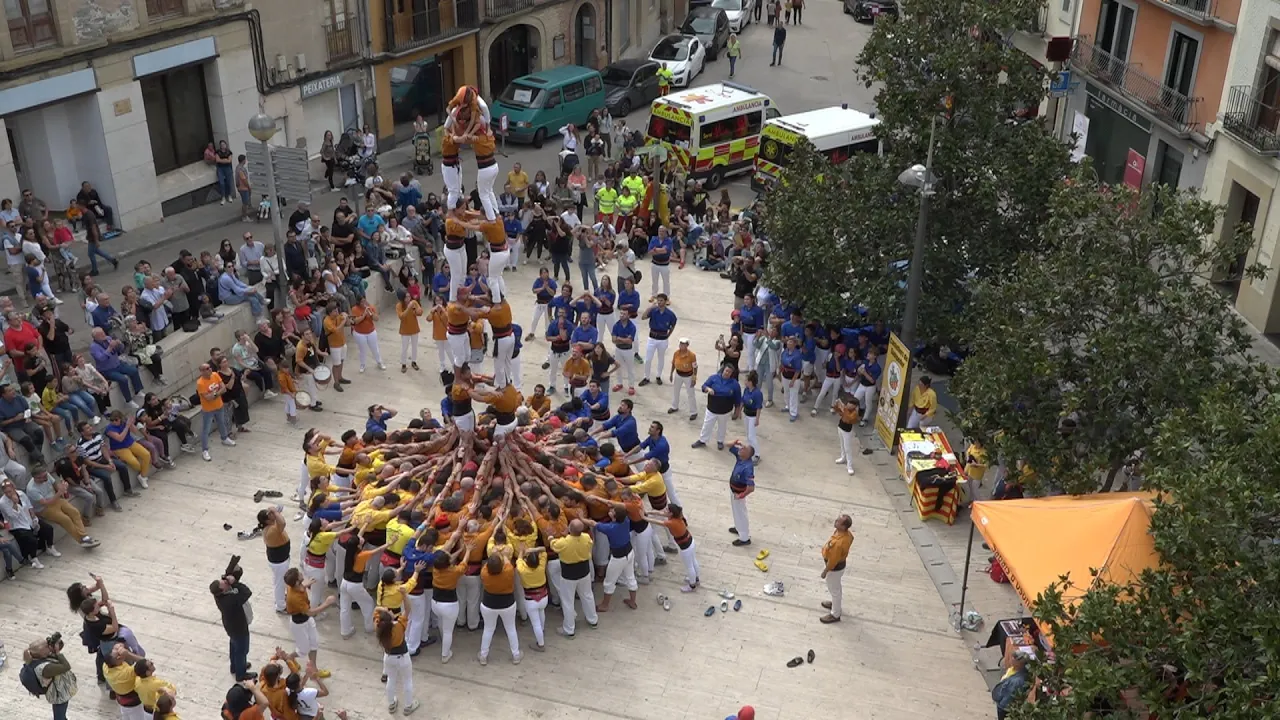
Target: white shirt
[
  {"x": 31, "y": 247},
  {"x": 370, "y": 145},
  {"x": 19, "y": 516},
  {"x": 570, "y": 142},
  {"x": 12, "y": 241},
  {"x": 308, "y": 702},
  {"x": 159, "y": 314},
  {"x": 570, "y": 218},
  {"x": 626, "y": 263}
]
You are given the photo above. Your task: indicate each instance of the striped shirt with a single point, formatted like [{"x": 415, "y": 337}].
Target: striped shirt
[{"x": 91, "y": 449}]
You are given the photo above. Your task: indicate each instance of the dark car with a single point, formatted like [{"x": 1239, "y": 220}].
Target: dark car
[
  {"x": 710, "y": 25},
  {"x": 629, "y": 84},
  {"x": 869, "y": 10},
  {"x": 416, "y": 89}
]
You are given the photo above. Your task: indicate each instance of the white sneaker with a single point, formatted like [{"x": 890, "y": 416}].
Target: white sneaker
[
  {"x": 851, "y": 472},
  {"x": 35, "y": 563},
  {"x": 134, "y": 404},
  {"x": 188, "y": 448},
  {"x": 162, "y": 380},
  {"x": 381, "y": 366},
  {"x": 228, "y": 442},
  {"x": 142, "y": 480},
  {"x": 97, "y": 419},
  {"x": 205, "y": 454},
  {"x": 839, "y": 461},
  {"x": 53, "y": 551},
  {"x": 269, "y": 394},
  {"x": 361, "y": 368},
  {"x": 223, "y": 201},
  {"x": 57, "y": 300}
]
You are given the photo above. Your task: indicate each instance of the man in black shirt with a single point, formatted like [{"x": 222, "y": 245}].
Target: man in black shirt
[
  {"x": 302, "y": 214},
  {"x": 187, "y": 267},
  {"x": 232, "y": 597},
  {"x": 88, "y": 197}
]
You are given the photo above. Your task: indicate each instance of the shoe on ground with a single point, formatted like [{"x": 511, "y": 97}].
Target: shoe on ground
[
  {"x": 840, "y": 460},
  {"x": 361, "y": 368},
  {"x": 813, "y": 412},
  {"x": 850, "y": 471},
  {"x": 344, "y": 381},
  {"x": 659, "y": 381},
  {"x": 698, "y": 444},
  {"x": 672, "y": 411},
  {"x": 693, "y": 416},
  {"x": 116, "y": 506},
  {"x": 382, "y": 366},
  {"x": 35, "y": 563},
  {"x": 617, "y": 388},
  {"x": 88, "y": 542},
  {"x": 719, "y": 446},
  {"x": 733, "y": 531},
  {"x": 269, "y": 394},
  {"x": 143, "y": 480},
  {"x": 188, "y": 448},
  {"x": 414, "y": 365},
  {"x": 96, "y": 419},
  {"x": 546, "y": 366},
  {"x": 828, "y": 619},
  {"x": 323, "y": 674},
  {"x": 484, "y": 659},
  {"x": 741, "y": 543},
  {"x": 205, "y": 454},
  {"x": 338, "y": 387},
  {"x": 55, "y": 552},
  {"x": 228, "y": 442},
  {"x": 643, "y": 382},
  {"x": 408, "y": 709},
  {"x": 826, "y": 604}
]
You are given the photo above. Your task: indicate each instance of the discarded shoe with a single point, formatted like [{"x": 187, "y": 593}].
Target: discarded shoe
[
  {"x": 726, "y": 594},
  {"x": 795, "y": 662},
  {"x": 775, "y": 589},
  {"x": 737, "y": 605},
  {"x": 810, "y": 657},
  {"x": 762, "y": 554},
  {"x": 710, "y": 611},
  {"x": 724, "y": 606},
  {"x": 761, "y": 566}
]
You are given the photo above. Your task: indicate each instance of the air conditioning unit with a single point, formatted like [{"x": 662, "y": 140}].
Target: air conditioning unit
[
  {"x": 300, "y": 62},
  {"x": 282, "y": 64}
]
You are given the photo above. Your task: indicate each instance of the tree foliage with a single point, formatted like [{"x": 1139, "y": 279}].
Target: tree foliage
[
  {"x": 836, "y": 240},
  {"x": 1082, "y": 350},
  {"x": 1200, "y": 636}
]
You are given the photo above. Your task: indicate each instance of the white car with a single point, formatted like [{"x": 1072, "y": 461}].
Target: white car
[
  {"x": 739, "y": 12},
  {"x": 683, "y": 55}
]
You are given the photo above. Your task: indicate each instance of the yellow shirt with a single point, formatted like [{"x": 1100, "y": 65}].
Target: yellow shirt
[
  {"x": 364, "y": 516},
  {"x": 317, "y": 466},
  {"x": 684, "y": 361},
  {"x": 321, "y": 542},
  {"x": 519, "y": 182},
  {"x": 398, "y": 535},
  {"x": 149, "y": 689},
  {"x": 389, "y": 595},
  {"x": 605, "y": 199},
  {"x": 122, "y": 679},
  {"x": 650, "y": 484},
  {"x": 635, "y": 184},
  {"x": 837, "y": 549},
  {"x": 335, "y": 326},
  {"x": 926, "y": 403},
  {"x": 572, "y": 548},
  {"x": 627, "y": 203},
  {"x": 532, "y": 577}
]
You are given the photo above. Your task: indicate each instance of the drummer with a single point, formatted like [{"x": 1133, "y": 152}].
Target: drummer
[{"x": 309, "y": 359}]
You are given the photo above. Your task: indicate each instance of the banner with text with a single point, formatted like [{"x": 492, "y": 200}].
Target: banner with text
[{"x": 893, "y": 384}]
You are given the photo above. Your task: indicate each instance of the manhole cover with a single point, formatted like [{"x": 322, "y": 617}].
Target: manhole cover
[{"x": 823, "y": 78}]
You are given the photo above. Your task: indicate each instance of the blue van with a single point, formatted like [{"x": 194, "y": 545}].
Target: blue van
[{"x": 539, "y": 104}]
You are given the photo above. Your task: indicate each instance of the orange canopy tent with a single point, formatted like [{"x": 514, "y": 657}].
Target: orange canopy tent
[{"x": 1040, "y": 539}]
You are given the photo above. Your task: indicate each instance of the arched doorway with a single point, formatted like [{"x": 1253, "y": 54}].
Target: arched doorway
[
  {"x": 512, "y": 54},
  {"x": 584, "y": 36}
]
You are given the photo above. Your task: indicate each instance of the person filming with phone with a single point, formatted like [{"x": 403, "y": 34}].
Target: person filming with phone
[{"x": 47, "y": 672}]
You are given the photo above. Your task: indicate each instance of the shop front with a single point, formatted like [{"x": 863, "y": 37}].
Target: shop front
[
  {"x": 420, "y": 83},
  {"x": 331, "y": 104}
]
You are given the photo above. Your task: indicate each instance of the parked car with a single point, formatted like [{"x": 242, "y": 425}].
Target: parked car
[
  {"x": 710, "y": 25},
  {"x": 683, "y": 55},
  {"x": 629, "y": 84},
  {"x": 537, "y": 105},
  {"x": 415, "y": 90},
  {"x": 739, "y": 12},
  {"x": 869, "y": 10}
]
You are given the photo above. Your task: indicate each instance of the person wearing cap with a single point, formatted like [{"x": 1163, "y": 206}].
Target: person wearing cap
[
  {"x": 662, "y": 321},
  {"x": 924, "y": 403},
  {"x": 724, "y": 396},
  {"x": 834, "y": 556},
  {"x": 746, "y": 712},
  {"x": 684, "y": 364}
]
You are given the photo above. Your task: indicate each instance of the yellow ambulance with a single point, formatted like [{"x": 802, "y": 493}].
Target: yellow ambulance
[
  {"x": 836, "y": 132},
  {"x": 713, "y": 131}
]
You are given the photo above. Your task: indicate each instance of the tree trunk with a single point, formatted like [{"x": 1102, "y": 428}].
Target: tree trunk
[{"x": 1108, "y": 486}]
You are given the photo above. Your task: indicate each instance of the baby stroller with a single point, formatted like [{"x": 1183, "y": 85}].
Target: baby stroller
[
  {"x": 422, "y": 162},
  {"x": 348, "y": 159}
]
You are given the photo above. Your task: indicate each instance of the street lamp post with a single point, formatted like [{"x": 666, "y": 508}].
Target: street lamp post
[
  {"x": 919, "y": 176},
  {"x": 262, "y": 127}
]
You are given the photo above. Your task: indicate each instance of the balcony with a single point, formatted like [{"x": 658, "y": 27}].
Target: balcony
[
  {"x": 340, "y": 39},
  {"x": 1251, "y": 121},
  {"x": 1203, "y": 12},
  {"x": 440, "y": 21},
  {"x": 1165, "y": 103},
  {"x": 1038, "y": 24},
  {"x": 494, "y": 9}
]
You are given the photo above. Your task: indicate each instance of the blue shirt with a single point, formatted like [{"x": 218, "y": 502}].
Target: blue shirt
[
  {"x": 105, "y": 358},
  {"x": 661, "y": 322},
  {"x": 102, "y": 317},
  {"x": 544, "y": 290},
  {"x": 587, "y": 334},
  {"x": 440, "y": 283},
  {"x": 518, "y": 332},
  {"x": 722, "y": 386},
  {"x": 752, "y": 399},
  {"x": 809, "y": 350},
  {"x": 369, "y": 224},
  {"x": 790, "y": 329},
  {"x": 13, "y": 408},
  {"x": 408, "y": 196},
  {"x": 606, "y": 298},
  {"x": 850, "y": 366},
  {"x": 624, "y": 330},
  {"x": 744, "y": 472},
  {"x": 873, "y": 369},
  {"x": 629, "y": 300},
  {"x": 792, "y": 359},
  {"x": 512, "y": 226},
  {"x": 379, "y": 423},
  {"x": 446, "y": 406},
  {"x": 601, "y": 398},
  {"x": 560, "y": 301},
  {"x": 660, "y": 250},
  {"x": 624, "y": 431},
  {"x": 554, "y": 328},
  {"x": 658, "y": 450},
  {"x": 618, "y": 533},
  {"x": 752, "y": 318}
]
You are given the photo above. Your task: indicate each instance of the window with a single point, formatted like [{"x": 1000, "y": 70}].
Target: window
[
  {"x": 734, "y": 128},
  {"x": 573, "y": 91},
  {"x": 1115, "y": 28},
  {"x": 1180, "y": 70},
  {"x": 158, "y": 9},
  {"x": 594, "y": 85},
  {"x": 670, "y": 131},
  {"x": 1066, "y": 6},
  {"x": 177, "y": 108},
  {"x": 30, "y": 23}
]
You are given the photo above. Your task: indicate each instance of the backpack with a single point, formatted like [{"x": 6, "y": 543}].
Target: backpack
[{"x": 31, "y": 679}]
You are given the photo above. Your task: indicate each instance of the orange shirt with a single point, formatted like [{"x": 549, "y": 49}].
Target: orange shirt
[
  {"x": 504, "y": 583},
  {"x": 481, "y": 540},
  {"x": 205, "y": 386},
  {"x": 508, "y": 400},
  {"x": 457, "y": 318},
  {"x": 409, "y": 317},
  {"x": 849, "y": 413},
  {"x": 496, "y": 233},
  {"x": 335, "y": 327},
  {"x": 447, "y": 578},
  {"x": 285, "y": 380},
  {"x": 439, "y": 324},
  {"x": 484, "y": 145},
  {"x": 500, "y": 318},
  {"x": 540, "y": 405},
  {"x": 475, "y": 329},
  {"x": 578, "y": 369},
  {"x": 455, "y": 232},
  {"x": 837, "y": 549},
  {"x": 296, "y": 601},
  {"x": 366, "y": 317},
  {"x": 684, "y": 361}
]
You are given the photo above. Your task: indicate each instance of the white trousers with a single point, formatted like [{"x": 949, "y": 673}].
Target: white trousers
[
  {"x": 555, "y": 379},
  {"x": 793, "y": 396},
  {"x": 459, "y": 349},
  {"x": 399, "y": 672},
  {"x": 847, "y": 443},
  {"x": 605, "y": 323},
  {"x": 837, "y": 592},
  {"x": 484, "y": 184},
  {"x": 137, "y": 712},
  {"x": 621, "y": 570},
  {"x": 830, "y": 385},
  {"x": 914, "y": 419},
  {"x": 457, "y": 269},
  {"x": 498, "y": 261},
  {"x": 689, "y": 557},
  {"x": 537, "y": 612},
  {"x": 599, "y": 551},
  {"x": 670, "y": 482},
  {"x": 516, "y": 378},
  {"x": 866, "y": 397},
  {"x": 539, "y": 314},
  {"x": 663, "y": 272},
  {"x": 513, "y": 261},
  {"x": 408, "y": 349},
  {"x": 643, "y": 542},
  {"x": 419, "y": 621},
  {"x": 305, "y": 637},
  {"x": 717, "y": 422},
  {"x": 507, "y": 616},
  {"x": 682, "y": 383},
  {"x": 580, "y": 588},
  {"x": 315, "y": 593},
  {"x": 658, "y": 347},
  {"x": 277, "y": 582},
  {"x": 352, "y": 592},
  {"x": 749, "y": 350},
  {"x": 752, "y": 424},
  {"x": 469, "y": 590},
  {"x": 502, "y": 363},
  {"x": 507, "y": 429},
  {"x": 452, "y": 175},
  {"x": 626, "y": 366},
  {"x": 554, "y": 578},
  {"x": 739, "y": 507},
  {"x": 304, "y": 483},
  {"x": 290, "y": 406},
  {"x": 442, "y": 353},
  {"x": 447, "y": 612},
  {"x": 369, "y": 342}
]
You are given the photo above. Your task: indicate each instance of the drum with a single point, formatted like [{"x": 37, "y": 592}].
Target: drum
[
  {"x": 302, "y": 398},
  {"x": 323, "y": 375}
]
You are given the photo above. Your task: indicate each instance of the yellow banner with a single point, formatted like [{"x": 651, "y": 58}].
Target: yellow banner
[{"x": 893, "y": 390}]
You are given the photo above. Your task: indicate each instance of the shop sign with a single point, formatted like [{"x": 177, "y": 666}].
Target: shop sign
[
  {"x": 321, "y": 86},
  {"x": 1117, "y": 107},
  {"x": 893, "y": 387}
]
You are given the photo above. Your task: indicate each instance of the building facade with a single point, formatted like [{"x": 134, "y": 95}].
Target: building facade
[
  {"x": 1149, "y": 75},
  {"x": 1244, "y": 170}
]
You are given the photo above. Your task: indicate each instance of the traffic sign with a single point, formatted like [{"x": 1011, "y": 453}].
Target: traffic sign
[{"x": 1060, "y": 85}]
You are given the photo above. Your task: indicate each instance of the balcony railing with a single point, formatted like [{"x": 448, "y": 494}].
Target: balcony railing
[
  {"x": 438, "y": 22},
  {"x": 1203, "y": 10},
  {"x": 1039, "y": 23},
  {"x": 501, "y": 8},
  {"x": 339, "y": 39},
  {"x": 1251, "y": 120},
  {"x": 1165, "y": 103}
]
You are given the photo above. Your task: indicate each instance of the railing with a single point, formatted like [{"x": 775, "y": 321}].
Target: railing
[
  {"x": 439, "y": 21},
  {"x": 1203, "y": 9},
  {"x": 1253, "y": 122},
  {"x": 1166, "y": 103},
  {"x": 1039, "y": 23},
  {"x": 339, "y": 40},
  {"x": 501, "y": 8}
]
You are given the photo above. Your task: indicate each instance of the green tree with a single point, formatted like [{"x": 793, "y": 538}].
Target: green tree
[
  {"x": 1086, "y": 346},
  {"x": 1199, "y": 636},
  {"x": 837, "y": 238}
]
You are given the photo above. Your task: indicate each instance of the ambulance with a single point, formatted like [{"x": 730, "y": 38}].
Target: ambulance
[
  {"x": 712, "y": 131},
  {"x": 836, "y": 132}
]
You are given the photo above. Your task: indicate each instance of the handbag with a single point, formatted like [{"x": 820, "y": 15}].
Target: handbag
[{"x": 636, "y": 276}]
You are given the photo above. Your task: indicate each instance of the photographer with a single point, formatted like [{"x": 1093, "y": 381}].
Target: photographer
[
  {"x": 232, "y": 598},
  {"x": 47, "y": 670}
]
